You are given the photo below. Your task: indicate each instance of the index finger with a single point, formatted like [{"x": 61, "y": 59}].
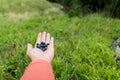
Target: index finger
[{"x": 38, "y": 40}]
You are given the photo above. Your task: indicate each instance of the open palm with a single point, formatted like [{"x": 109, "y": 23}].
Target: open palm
[{"x": 36, "y": 53}]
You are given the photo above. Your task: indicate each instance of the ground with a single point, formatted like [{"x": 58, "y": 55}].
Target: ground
[{"x": 82, "y": 45}]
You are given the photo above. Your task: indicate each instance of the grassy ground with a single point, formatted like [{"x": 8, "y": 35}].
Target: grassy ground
[{"x": 82, "y": 45}]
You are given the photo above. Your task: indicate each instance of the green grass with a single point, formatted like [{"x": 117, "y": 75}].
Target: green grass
[{"x": 82, "y": 45}]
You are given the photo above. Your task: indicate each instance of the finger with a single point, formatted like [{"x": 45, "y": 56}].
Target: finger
[
  {"x": 39, "y": 38},
  {"x": 51, "y": 46},
  {"x": 47, "y": 38},
  {"x": 29, "y": 47},
  {"x": 43, "y": 36},
  {"x": 52, "y": 42}
]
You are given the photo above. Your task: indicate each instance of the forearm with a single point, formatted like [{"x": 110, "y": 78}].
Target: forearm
[{"x": 38, "y": 70}]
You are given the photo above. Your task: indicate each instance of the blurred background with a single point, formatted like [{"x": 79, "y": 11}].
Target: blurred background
[
  {"x": 80, "y": 7},
  {"x": 84, "y": 31}
]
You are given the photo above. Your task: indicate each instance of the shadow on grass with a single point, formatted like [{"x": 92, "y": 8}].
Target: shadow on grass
[{"x": 81, "y": 8}]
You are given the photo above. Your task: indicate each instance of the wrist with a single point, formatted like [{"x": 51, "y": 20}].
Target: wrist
[{"x": 40, "y": 59}]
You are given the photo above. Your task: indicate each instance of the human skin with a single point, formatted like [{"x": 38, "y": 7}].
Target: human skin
[
  {"x": 35, "y": 53},
  {"x": 40, "y": 67}
]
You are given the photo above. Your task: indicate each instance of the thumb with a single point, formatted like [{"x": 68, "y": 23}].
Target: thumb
[{"x": 29, "y": 47}]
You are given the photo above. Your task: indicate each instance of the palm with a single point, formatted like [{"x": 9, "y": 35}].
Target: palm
[{"x": 36, "y": 53}]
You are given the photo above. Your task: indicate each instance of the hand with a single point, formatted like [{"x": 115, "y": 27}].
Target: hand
[{"x": 36, "y": 53}]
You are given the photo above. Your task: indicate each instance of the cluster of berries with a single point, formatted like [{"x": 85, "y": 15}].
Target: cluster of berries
[{"x": 43, "y": 46}]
